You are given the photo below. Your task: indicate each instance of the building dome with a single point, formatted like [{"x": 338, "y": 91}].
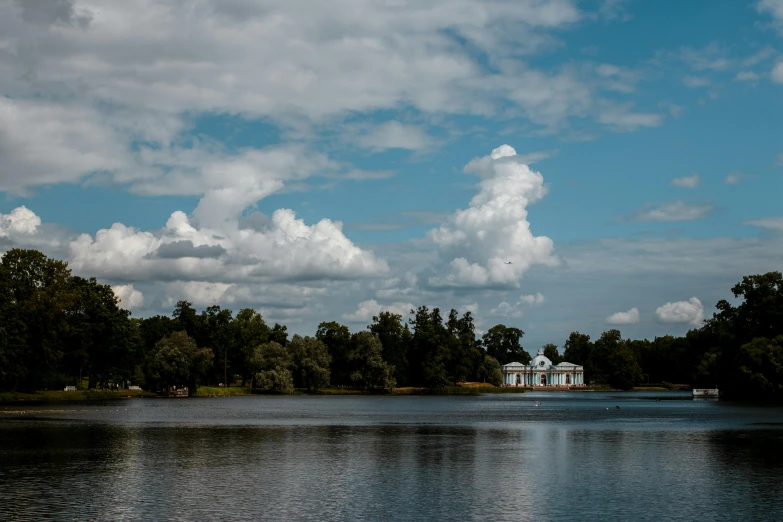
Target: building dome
[{"x": 541, "y": 361}]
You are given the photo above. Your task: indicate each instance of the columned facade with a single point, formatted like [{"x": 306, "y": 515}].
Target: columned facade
[{"x": 541, "y": 372}]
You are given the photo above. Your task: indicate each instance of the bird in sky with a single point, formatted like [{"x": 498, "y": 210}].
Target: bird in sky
[{"x": 508, "y": 262}]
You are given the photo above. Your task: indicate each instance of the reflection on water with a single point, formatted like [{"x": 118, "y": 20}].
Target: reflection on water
[{"x": 394, "y": 458}]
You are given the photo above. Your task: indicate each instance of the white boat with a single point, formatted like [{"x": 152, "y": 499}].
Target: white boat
[{"x": 705, "y": 393}]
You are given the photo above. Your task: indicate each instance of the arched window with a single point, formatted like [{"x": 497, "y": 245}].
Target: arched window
[
  {"x": 568, "y": 379},
  {"x": 543, "y": 380},
  {"x": 519, "y": 379}
]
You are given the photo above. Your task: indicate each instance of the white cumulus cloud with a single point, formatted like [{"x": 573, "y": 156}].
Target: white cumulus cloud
[
  {"x": 477, "y": 242},
  {"x": 629, "y": 317},
  {"x": 287, "y": 249},
  {"x": 366, "y": 310},
  {"x": 682, "y": 312},
  {"x": 19, "y": 222},
  {"x": 518, "y": 309},
  {"x": 130, "y": 298}
]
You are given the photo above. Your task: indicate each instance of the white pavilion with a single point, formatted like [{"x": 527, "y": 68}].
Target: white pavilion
[{"x": 541, "y": 372}]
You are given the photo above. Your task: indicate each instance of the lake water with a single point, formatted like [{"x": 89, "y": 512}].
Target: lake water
[{"x": 576, "y": 456}]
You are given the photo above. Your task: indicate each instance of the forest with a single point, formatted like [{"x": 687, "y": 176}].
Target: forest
[{"x": 60, "y": 329}]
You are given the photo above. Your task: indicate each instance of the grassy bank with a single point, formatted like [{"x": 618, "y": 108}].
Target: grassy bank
[
  {"x": 474, "y": 390},
  {"x": 216, "y": 391},
  {"x": 80, "y": 395}
]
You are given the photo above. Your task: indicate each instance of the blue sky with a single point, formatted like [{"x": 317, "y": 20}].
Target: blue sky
[{"x": 323, "y": 163}]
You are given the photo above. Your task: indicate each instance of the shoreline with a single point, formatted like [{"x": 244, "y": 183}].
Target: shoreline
[{"x": 208, "y": 391}]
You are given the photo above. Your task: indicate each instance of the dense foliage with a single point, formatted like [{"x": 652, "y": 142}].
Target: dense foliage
[{"x": 58, "y": 329}]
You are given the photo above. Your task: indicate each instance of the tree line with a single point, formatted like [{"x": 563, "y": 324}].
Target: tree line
[{"x": 57, "y": 329}]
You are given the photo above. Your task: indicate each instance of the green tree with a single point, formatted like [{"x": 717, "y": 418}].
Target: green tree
[
  {"x": 186, "y": 319},
  {"x": 250, "y": 331},
  {"x": 370, "y": 370},
  {"x": 761, "y": 370},
  {"x": 489, "y": 371},
  {"x": 216, "y": 330},
  {"x": 337, "y": 339},
  {"x": 274, "y": 373},
  {"x": 176, "y": 360},
  {"x": 615, "y": 361},
  {"x": 279, "y": 334},
  {"x": 37, "y": 327},
  {"x": 101, "y": 340},
  {"x": 551, "y": 353},
  {"x": 429, "y": 348},
  {"x": 395, "y": 337},
  {"x": 759, "y": 314},
  {"x": 579, "y": 350},
  {"x": 502, "y": 343},
  {"x": 464, "y": 352},
  {"x": 310, "y": 362}
]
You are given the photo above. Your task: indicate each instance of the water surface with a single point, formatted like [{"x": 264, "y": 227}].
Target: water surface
[{"x": 575, "y": 456}]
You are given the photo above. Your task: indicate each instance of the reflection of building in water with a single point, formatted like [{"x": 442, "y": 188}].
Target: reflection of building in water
[{"x": 541, "y": 372}]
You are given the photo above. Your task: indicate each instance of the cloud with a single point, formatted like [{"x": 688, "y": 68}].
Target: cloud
[
  {"x": 777, "y": 73},
  {"x": 288, "y": 249},
  {"x": 367, "y": 309},
  {"x": 710, "y": 58},
  {"x": 396, "y": 135},
  {"x": 475, "y": 243},
  {"x": 734, "y": 178},
  {"x": 21, "y": 221},
  {"x": 774, "y": 8},
  {"x": 747, "y": 76},
  {"x": 130, "y": 298},
  {"x": 279, "y": 60},
  {"x": 681, "y": 312},
  {"x": 614, "y": 10},
  {"x": 622, "y": 120},
  {"x": 674, "y": 211},
  {"x": 629, "y": 317},
  {"x": 774, "y": 224},
  {"x": 686, "y": 181},
  {"x": 185, "y": 248},
  {"x": 695, "y": 82},
  {"x": 43, "y": 142},
  {"x": 48, "y": 12},
  {"x": 519, "y": 308}
]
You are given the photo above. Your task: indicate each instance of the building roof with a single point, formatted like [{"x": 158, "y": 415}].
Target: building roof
[
  {"x": 514, "y": 365},
  {"x": 569, "y": 365}
]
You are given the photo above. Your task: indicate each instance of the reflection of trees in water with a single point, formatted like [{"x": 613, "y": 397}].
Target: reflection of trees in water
[
  {"x": 748, "y": 465},
  {"x": 755, "y": 454}
]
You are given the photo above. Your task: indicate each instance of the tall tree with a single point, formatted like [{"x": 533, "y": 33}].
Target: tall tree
[
  {"x": 177, "y": 360},
  {"x": 101, "y": 338},
  {"x": 502, "y": 343},
  {"x": 310, "y": 362},
  {"x": 186, "y": 318},
  {"x": 489, "y": 371},
  {"x": 250, "y": 331},
  {"x": 429, "y": 348},
  {"x": 215, "y": 329},
  {"x": 279, "y": 334},
  {"x": 337, "y": 339},
  {"x": 579, "y": 350},
  {"x": 370, "y": 370},
  {"x": 395, "y": 337},
  {"x": 551, "y": 353},
  {"x": 274, "y": 373},
  {"x": 41, "y": 294}
]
